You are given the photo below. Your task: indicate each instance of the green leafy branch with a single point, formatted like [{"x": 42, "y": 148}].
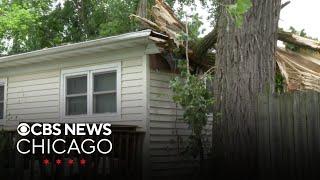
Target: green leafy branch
[
  {"x": 191, "y": 93},
  {"x": 238, "y": 10}
]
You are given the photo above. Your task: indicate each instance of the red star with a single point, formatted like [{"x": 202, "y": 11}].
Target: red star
[
  {"x": 46, "y": 162},
  {"x": 82, "y": 162},
  {"x": 70, "y": 162},
  {"x": 58, "y": 162}
]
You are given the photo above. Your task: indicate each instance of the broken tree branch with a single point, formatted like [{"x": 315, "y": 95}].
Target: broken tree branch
[
  {"x": 298, "y": 40},
  {"x": 285, "y": 4},
  {"x": 146, "y": 22},
  {"x": 165, "y": 21},
  {"x": 206, "y": 43}
]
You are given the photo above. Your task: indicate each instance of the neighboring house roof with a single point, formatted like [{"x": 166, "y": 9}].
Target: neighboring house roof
[
  {"x": 300, "y": 70},
  {"x": 127, "y": 40}
]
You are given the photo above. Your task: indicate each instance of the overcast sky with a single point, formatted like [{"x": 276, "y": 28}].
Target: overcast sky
[{"x": 301, "y": 14}]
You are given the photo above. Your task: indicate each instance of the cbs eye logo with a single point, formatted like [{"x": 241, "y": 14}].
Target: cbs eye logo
[{"x": 23, "y": 129}]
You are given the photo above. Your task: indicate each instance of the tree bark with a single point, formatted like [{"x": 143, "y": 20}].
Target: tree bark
[
  {"x": 245, "y": 67},
  {"x": 142, "y": 8}
]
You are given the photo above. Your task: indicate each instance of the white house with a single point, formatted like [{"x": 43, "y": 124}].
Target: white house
[{"x": 117, "y": 79}]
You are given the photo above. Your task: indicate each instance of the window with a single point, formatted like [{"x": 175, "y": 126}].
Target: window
[
  {"x": 104, "y": 93},
  {"x": 76, "y": 98},
  {"x": 91, "y": 91},
  {"x": 1, "y": 101}
]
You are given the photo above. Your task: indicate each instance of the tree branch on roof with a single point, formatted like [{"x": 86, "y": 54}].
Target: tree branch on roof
[
  {"x": 166, "y": 22},
  {"x": 298, "y": 40}
]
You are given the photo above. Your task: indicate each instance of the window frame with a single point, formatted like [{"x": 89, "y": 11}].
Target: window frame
[
  {"x": 90, "y": 72},
  {"x": 3, "y": 82}
]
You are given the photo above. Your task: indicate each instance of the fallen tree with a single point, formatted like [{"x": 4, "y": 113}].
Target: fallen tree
[
  {"x": 165, "y": 21},
  {"x": 298, "y": 40}
]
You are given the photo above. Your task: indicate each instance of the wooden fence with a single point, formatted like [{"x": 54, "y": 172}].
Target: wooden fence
[
  {"x": 281, "y": 142},
  {"x": 124, "y": 162},
  {"x": 288, "y": 130}
]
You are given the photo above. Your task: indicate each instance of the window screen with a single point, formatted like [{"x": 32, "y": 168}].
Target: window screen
[
  {"x": 76, "y": 98},
  {"x": 104, "y": 92},
  {"x": 1, "y": 101}
]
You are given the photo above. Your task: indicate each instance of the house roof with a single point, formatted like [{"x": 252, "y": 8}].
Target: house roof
[{"x": 127, "y": 40}]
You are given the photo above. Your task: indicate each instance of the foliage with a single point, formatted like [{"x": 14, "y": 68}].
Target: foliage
[
  {"x": 191, "y": 93},
  {"x": 238, "y": 10},
  {"x": 15, "y": 25},
  {"x": 36, "y": 24},
  {"x": 89, "y": 19},
  {"x": 194, "y": 26},
  {"x": 195, "y": 21},
  {"x": 280, "y": 82}
]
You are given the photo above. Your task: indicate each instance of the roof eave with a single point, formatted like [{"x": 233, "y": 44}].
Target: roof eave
[{"x": 115, "y": 42}]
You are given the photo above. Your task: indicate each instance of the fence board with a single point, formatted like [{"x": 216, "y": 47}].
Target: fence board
[
  {"x": 275, "y": 137},
  {"x": 263, "y": 137},
  {"x": 288, "y": 129}
]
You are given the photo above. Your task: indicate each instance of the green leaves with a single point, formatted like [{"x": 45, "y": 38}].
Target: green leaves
[
  {"x": 238, "y": 10},
  {"x": 243, "y": 6},
  {"x": 16, "y": 21},
  {"x": 37, "y": 24},
  {"x": 191, "y": 93},
  {"x": 279, "y": 82}
]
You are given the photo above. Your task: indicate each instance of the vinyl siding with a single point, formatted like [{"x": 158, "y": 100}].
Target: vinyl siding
[
  {"x": 33, "y": 92},
  {"x": 168, "y": 132},
  {"x": 33, "y": 97}
]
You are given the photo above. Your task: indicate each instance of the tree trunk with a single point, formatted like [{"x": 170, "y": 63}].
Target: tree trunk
[
  {"x": 142, "y": 8},
  {"x": 245, "y": 67}
]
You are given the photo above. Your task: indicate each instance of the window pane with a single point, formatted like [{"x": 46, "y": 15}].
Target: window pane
[
  {"x": 76, "y": 105},
  {"x": 1, "y": 93},
  {"x": 77, "y": 85},
  {"x": 104, "y": 103},
  {"x": 1, "y": 110},
  {"x": 105, "y": 82}
]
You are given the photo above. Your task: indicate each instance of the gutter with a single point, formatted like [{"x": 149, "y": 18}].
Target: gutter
[{"x": 80, "y": 45}]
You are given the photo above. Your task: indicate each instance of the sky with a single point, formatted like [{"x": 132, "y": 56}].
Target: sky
[{"x": 301, "y": 14}]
